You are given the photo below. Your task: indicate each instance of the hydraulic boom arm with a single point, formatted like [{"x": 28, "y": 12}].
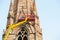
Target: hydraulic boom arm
[{"x": 12, "y": 27}]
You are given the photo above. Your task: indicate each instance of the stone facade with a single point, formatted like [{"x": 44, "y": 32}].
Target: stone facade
[{"x": 31, "y": 29}]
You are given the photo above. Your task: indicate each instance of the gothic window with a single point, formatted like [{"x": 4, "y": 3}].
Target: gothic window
[
  {"x": 22, "y": 35},
  {"x": 25, "y": 38},
  {"x": 19, "y": 38}
]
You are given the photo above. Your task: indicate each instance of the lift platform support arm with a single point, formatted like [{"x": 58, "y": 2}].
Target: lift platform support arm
[{"x": 12, "y": 26}]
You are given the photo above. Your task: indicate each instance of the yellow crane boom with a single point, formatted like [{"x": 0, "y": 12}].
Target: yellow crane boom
[{"x": 12, "y": 27}]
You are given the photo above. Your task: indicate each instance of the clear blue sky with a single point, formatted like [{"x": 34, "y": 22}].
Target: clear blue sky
[{"x": 48, "y": 12}]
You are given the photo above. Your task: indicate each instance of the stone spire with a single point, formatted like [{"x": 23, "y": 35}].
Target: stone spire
[{"x": 30, "y": 30}]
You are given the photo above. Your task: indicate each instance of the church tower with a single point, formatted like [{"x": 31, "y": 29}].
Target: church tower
[{"x": 19, "y": 9}]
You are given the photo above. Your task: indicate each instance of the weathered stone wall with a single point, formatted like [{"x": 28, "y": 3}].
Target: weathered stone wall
[{"x": 22, "y": 8}]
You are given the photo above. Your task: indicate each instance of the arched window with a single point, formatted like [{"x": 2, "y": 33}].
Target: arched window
[
  {"x": 25, "y": 38},
  {"x": 22, "y": 35},
  {"x": 19, "y": 38}
]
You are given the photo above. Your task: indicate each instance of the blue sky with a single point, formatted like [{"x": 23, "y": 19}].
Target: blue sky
[{"x": 48, "y": 12}]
